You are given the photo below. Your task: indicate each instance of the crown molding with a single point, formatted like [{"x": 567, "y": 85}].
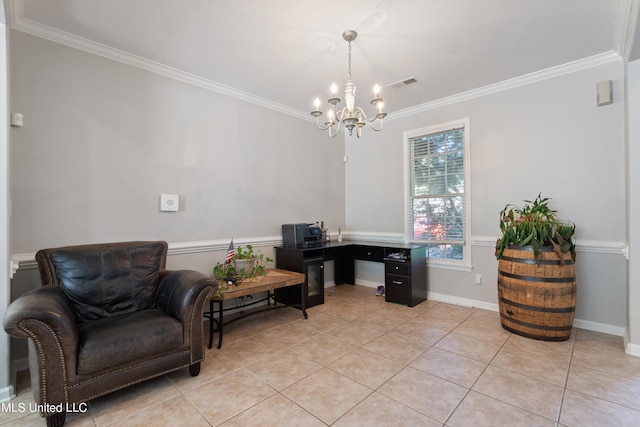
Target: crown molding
[
  {"x": 20, "y": 23},
  {"x": 626, "y": 23},
  {"x": 549, "y": 73}
]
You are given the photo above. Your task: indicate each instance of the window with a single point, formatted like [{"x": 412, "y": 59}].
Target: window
[{"x": 437, "y": 191}]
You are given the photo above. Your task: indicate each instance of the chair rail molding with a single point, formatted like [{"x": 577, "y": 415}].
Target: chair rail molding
[
  {"x": 592, "y": 246},
  {"x": 28, "y": 260}
]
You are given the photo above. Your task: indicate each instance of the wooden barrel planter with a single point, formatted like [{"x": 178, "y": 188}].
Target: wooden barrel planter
[{"x": 537, "y": 299}]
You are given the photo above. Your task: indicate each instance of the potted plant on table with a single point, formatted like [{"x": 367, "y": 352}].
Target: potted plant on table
[
  {"x": 243, "y": 264},
  {"x": 536, "y": 277}
]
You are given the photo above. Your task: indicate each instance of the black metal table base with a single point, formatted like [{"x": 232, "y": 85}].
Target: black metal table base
[{"x": 220, "y": 323}]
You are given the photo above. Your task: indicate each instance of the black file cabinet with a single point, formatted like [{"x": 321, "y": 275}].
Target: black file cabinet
[
  {"x": 312, "y": 265},
  {"x": 405, "y": 272}
]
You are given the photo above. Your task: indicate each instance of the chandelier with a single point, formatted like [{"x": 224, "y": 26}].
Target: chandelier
[{"x": 350, "y": 115}]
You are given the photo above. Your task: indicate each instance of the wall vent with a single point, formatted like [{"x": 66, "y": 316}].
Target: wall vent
[{"x": 405, "y": 82}]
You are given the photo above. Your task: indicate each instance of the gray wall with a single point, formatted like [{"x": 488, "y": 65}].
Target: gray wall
[
  {"x": 549, "y": 137},
  {"x": 102, "y": 140}
]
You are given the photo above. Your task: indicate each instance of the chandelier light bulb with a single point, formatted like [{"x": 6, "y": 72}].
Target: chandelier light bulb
[{"x": 351, "y": 116}]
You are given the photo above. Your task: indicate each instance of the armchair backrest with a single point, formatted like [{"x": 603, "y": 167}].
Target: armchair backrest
[{"x": 105, "y": 280}]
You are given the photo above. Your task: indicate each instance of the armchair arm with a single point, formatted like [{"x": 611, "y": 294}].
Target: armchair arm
[
  {"x": 45, "y": 316},
  {"x": 178, "y": 291},
  {"x": 182, "y": 294},
  {"x": 43, "y": 309}
]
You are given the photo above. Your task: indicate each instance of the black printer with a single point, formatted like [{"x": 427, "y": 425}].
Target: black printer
[{"x": 301, "y": 235}]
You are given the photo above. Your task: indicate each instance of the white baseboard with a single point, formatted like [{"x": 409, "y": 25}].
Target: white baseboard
[
  {"x": 600, "y": 327},
  {"x": 7, "y": 393},
  {"x": 632, "y": 349},
  {"x": 368, "y": 283},
  {"x": 329, "y": 284},
  {"x": 578, "y": 323},
  {"x": 465, "y": 302}
]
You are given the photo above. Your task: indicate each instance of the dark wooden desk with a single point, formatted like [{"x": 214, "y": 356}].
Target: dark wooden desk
[
  {"x": 273, "y": 279},
  {"x": 405, "y": 279}
]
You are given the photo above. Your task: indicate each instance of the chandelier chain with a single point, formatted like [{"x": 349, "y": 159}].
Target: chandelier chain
[{"x": 350, "y": 61}]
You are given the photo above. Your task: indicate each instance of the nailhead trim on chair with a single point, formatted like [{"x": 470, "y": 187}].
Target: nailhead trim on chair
[
  {"x": 136, "y": 382},
  {"x": 206, "y": 292},
  {"x": 127, "y": 368},
  {"x": 43, "y": 371}
]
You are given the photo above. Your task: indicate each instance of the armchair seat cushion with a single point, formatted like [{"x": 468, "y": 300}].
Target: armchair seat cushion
[{"x": 119, "y": 340}]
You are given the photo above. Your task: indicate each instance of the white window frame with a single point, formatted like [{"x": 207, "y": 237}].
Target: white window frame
[{"x": 465, "y": 263}]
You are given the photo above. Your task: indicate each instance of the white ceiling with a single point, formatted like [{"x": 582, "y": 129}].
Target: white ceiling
[{"x": 287, "y": 52}]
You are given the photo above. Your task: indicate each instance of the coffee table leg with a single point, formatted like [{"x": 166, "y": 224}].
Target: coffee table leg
[
  {"x": 220, "y": 323},
  {"x": 210, "y": 323},
  {"x": 303, "y": 302}
]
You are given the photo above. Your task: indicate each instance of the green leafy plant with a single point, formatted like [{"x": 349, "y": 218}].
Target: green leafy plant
[
  {"x": 535, "y": 225},
  {"x": 227, "y": 270}
]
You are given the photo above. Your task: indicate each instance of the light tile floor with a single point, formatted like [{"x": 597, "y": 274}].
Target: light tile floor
[{"x": 358, "y": 361}]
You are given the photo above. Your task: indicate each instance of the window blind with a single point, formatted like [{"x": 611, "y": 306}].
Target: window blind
[{"x": 438, "y": 187}]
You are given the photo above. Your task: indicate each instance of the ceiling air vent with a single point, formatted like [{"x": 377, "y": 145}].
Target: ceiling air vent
[{"x": 402, "y": 83}]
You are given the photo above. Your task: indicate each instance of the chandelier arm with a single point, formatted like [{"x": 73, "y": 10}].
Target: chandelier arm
[
  {"x": 365, "y": 117},
  {"x": 329, "y": 125},
  {"x": 381, "y": 125},
  {"x": 343, "y": 114},
  {"x": 332, "y": 135},
  {"x": 337, "y": 118},
  {"x": 319, "y": 125}
]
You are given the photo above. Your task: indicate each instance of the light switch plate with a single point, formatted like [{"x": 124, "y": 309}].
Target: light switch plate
[
  {"x": 169, "y": 202},
  {"x": 604, "y": 93},
  {"x": 17, "y": 120}
]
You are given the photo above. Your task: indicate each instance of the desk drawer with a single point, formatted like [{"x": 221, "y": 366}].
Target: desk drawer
[
  {"x": 368, "y": 253},
  {"x": 391, "y": 267},
  {"x": 397, "y": 288}
]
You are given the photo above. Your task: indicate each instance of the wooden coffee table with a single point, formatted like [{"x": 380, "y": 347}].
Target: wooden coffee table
[{"x": 273, "y": 279}]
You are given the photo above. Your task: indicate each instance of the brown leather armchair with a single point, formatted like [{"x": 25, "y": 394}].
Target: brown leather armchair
[{"x": 108, "y": 316}]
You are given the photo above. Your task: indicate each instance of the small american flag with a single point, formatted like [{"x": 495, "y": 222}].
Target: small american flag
[{"x": 230, "y": 253}]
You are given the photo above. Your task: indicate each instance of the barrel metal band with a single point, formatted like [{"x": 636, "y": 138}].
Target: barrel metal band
[
  {"x": 538, "y": 279},
  {"x": 534, "y": 326},
  {"x": 540, "y": 309},
  {"x": 534, "y": 336},
  {"x": 542, "y": 261}
]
